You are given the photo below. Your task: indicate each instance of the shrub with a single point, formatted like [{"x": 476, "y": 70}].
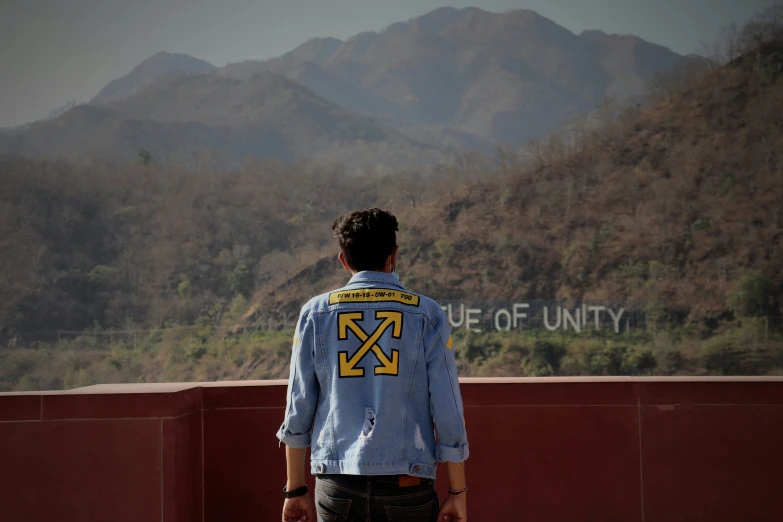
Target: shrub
[
  {"x": 545, "y": 356},
  {"x": 739, "y": 351},
  {"x": 195, "y": 351},
  {"x": 28, "y": 383},
  {"x": 752, "y": 295},
  {"x": 639, "y": 360},
  {"x": 593, "y": 357},
  {"x": 237, "y": 309},
  {"x": 103, "y": 276},
  {"x": 634, "y": 270},
  {"x": 479, "y": 346},
  {"x": 241, "y": 279}
]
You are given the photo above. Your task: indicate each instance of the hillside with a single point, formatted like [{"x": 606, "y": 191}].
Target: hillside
[
  {"x": 497, "y": 77},
  {"x": 147, "y": 72},
  {"x": 90, "y": 134},
  {"x": 673, "y": 205},
  {"x": 149, "y": 273},
  {"x": 221, "y": 120},
  {"x": 668, "y": 204}
]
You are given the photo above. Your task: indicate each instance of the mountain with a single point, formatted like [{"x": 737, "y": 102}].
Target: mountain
[
  {"x": 148, "y": 71},
  {"x": 314, "y": 77},
  {"x": 675, "y": 205},
  {"x": 308, "y": 123},
  {"x": 317, "y": 50},
  {"x": 88, "y": 133},
  {"x": 498, "y": 77},
  {"x": 415, "y": 93},
  {"x": 179, "y": 116},
  {"x": 632, "y": 62}
]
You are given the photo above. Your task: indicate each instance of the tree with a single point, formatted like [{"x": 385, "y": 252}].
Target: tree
[
  {"x": 505, "y": 157},
  {"x": 241, "y": 280},
  {"x": 752, "y": 295},
  {"x": 765, "y": 26},
  {"x": 144, "y": 156}
]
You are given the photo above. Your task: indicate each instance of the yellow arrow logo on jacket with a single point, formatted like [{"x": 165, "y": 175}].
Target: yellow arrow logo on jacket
[{"x": 347, "y": 321}]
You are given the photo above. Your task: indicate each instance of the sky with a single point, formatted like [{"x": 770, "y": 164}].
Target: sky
[{"x": 55, "y": 51}]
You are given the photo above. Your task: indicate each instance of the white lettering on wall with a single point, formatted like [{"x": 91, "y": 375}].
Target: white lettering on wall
[
  {"x": 518, "y": 314},
  {"x": 568, "y": 318},
  {"x": 498, "y": 326},
  {"x": 472, "y": 320},
  {"x": 597, "y": 315},
  {"x": 452, "y": 322},
  {"x": 521, "y": 316},
  {"x": 616, "y": 318},
  {"x": 546, "y": 319}
]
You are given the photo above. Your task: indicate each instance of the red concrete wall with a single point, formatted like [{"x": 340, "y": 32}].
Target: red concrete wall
[
  {"x": 541, "y": 449},
  {"x": 118, "y": 457}
]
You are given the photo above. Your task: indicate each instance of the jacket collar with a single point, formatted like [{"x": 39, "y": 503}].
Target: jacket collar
[{"x": 368, "y": 276}]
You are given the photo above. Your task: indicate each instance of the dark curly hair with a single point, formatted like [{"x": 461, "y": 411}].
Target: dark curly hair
[{"x": 367, "y": 237}]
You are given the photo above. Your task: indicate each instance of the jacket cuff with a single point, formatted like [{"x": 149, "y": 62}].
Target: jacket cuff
[
  {"x": 293, "y": 441},
  {"x": 449, "y": 454}
]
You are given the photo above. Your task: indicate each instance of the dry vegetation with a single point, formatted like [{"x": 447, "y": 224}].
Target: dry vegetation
[{"x": 677, "y": 203}]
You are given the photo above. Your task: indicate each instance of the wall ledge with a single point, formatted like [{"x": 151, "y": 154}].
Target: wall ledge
[{"x": 174, "y": 387}]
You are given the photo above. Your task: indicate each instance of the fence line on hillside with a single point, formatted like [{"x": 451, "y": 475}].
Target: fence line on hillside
[
  {"x": 506, "y": 316},
  {"x": 98, "y": 338}
]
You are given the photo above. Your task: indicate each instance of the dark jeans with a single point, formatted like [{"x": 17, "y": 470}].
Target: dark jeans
[{"x": 380, "y": 498}]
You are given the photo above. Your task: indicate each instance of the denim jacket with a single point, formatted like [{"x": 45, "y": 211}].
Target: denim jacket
[{"x": 372, "y": 378}]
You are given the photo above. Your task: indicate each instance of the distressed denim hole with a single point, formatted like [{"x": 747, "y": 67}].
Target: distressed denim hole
[
  {"x": 418, "y": 440},
  {"x": 369, "y": 425}
]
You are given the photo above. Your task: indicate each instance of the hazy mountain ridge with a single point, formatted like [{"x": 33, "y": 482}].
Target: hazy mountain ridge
[
  {"x": 90, "y": 133},
  {"x": 493, "y": 77},
  {"x": 500, "y": 77},
  {"x": 228, "y": 119},
  {"x": 149, "y": 71},
  {"x": 413, "y": 93}
]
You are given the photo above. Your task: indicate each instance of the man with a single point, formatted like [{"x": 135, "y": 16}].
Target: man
[{"x": 373, "y": 388}]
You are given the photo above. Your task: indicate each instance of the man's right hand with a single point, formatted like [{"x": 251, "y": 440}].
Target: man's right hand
[
  {"x": 299, "y": 509},
  {"x": 455, "y": 509}
]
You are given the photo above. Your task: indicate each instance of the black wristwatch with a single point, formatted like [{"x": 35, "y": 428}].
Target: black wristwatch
[{"x": 298, "y": 492}]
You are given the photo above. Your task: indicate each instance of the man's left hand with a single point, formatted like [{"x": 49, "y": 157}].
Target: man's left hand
[{"x": 299, "y": 509}]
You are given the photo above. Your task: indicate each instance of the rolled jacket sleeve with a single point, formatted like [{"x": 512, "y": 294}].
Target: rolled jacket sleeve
[
  {"x": 445, "y": 397},
  {"x": 303, "y": 388}
]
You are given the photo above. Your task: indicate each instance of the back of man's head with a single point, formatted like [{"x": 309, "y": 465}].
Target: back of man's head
[{"x": 367, "y": 237}]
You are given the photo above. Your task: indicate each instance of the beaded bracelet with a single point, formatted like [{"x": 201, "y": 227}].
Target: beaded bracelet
[{"x": 457, "y": 491}]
